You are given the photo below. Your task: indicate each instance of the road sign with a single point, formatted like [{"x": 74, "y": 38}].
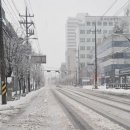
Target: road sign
[{"x": 38, "y": 59}]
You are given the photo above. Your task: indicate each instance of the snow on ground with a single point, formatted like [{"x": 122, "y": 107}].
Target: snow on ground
[
  {"x": 95, "y": 120},
  {"x": 13, "y": 107},
  {"x": 42, "y": 112},
  {"x": 109, "y": 90}
]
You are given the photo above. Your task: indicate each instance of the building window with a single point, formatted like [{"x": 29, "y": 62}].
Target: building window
[
  {"x": 93, "y": 23},
  {"x": 93, "y": 39},
  {"x": 82, "y": 39},
  {"x": 89, "y": 56},
  {"x": 99, "y": 40},
  {"x": 88, "y": 47},
  {"x": 88, "y": 31},
  {"x": 82, "y": 47},
  {"x": 110, "y": 23},
  {"x": 99, "y": 31},
  {"x": 82, "y": 31},
  {"x": 104, "y": 31},
  {"x": 104, "y": 23},
  {"x": 110, "y": 31},
  {"x": 93, "y": 47},
  {"x": 88, "y": 40},
  {"x": 88, "y": 23},
  {"x": 99, "y": 23},
  {"x": 82, "y": 64},
  {"x": 82, "y": 55}
]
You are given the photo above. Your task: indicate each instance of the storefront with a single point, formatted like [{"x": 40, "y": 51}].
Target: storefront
[{"x": 124, "y": 75}]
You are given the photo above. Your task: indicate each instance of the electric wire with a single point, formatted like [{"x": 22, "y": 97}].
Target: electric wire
[
  {"x": 110, "y": 7},
  {"x": 13, "y": 17},
  {"x": 119, "y": 10}
]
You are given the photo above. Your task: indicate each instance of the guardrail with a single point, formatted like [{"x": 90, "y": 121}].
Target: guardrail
[{"x": 118, "y": 85}]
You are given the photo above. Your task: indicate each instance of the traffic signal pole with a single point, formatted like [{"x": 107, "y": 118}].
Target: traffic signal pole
[{"x": 2, "y": 60}]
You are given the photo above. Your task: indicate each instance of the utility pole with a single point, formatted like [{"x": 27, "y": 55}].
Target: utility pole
[
  {"x": 29, "y": 32},
  {"x": 2, "y": 60},
  {"x": 95, "y": 57}
]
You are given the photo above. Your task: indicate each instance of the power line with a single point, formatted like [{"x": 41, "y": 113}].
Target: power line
[
  {"x": 13, "y": 16},
  {"x": 119, "y": 10},
  {"x": 110, "y": 7}
]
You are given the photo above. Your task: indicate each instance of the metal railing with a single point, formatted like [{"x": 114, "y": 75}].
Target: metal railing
[{"x": 118, "y": 85}]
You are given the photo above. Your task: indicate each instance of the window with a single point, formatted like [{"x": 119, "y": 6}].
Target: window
[
  {"x": 82, "y": 47},
  {"x": 93, "y": 23},
  {"x": 104, "y": 23},
  {"x": 88, "y": 31},
  {"x": 99, "y": 40},
  {"x": 88, "y": 47},
  {"x": 110, "y": 31},
  {"x": 88, "y": 39},
  {"x": 99, "y": 31},
  {"x": 99, "y": 23},
  {"x": 110, "y": 23},
  {"x": 93, "y": 47},
  {"x": 82, "y": 64},
  {"x": 89, "y": 56},
  {"x": 82, "y": 31},
  {"x": 82, "y": 55},
  {"x": 82, "y": 39},
  {"x": 104, "y": 31},
  {"x": 93, "y": 39},
  {"x": 88, "y": 23}
]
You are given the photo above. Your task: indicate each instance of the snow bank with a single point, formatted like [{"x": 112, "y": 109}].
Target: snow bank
[
  {"x": 13, "y": 107},
  {"x": 110, "y": 90}
]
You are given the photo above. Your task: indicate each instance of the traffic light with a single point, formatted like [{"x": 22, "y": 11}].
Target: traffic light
[{"x": 57, "y": 71}]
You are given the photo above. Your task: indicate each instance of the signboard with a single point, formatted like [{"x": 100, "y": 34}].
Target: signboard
[{"x": 38, "y": 59}]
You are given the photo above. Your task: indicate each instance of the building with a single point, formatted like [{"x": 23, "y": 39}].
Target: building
[
  {"x": 113, "y": 56},
  {"x": 80, "y": 40},
  {"x": 71, "y": 26},
  {"x": 85, "y": 34}
]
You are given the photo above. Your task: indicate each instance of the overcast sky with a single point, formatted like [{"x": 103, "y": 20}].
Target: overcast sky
[{"x": 51, "y": 16}]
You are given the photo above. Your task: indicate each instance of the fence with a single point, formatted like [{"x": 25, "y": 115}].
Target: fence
[{"x": 118, "y": 85}]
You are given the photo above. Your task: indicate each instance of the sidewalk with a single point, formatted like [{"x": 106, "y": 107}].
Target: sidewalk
[{"x": 43, "y": 112}]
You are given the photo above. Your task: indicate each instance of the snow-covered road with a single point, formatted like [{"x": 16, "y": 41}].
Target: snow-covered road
[
  {"x": 62, "y": 108},
  {"x": 100, "y": 111},
  {"x": 40, "y": 112}
]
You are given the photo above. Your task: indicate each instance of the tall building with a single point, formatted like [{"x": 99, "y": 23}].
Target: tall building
[
  {"x": 71, "y": 26},
  {"x": 81, "y": 40}
]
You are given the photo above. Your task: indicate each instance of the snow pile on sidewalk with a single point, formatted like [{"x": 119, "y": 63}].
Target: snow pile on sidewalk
[
  {"x": 110, "y": 90},
  {"x": 13, "y": 107}
]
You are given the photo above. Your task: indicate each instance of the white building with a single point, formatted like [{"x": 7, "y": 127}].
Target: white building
[
  {"x": 80, "y": 39},
  {"x": 105, "y": 26}
]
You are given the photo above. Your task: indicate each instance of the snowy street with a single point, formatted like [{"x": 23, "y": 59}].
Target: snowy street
[
  {"x": 66, "y": 108},
  {"x": 96, "y": 110},
  {"x": 39, "y": 111}
]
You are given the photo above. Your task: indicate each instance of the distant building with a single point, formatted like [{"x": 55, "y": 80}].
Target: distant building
[
  {"x": 71, "y": 26},
  {"x": 113, "y": 55}
]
